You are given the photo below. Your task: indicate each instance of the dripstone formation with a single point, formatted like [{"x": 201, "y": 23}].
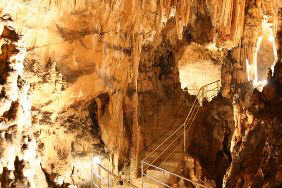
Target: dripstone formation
[{"x": 111, "y": 80}]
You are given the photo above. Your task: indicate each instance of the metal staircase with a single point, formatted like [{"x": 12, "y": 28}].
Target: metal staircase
[
  {"x": 164, "y": 155},
  {"x": 98, "y": 181},
  {"x": 161, "y": 163}
]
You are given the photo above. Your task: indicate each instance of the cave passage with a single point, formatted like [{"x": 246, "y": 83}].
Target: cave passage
[{"x": 140, "y": 93}]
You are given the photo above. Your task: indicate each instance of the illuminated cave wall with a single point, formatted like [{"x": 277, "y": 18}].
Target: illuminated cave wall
[
  {"x": 81, "y": 51},
  {"x": 267, "y": 54}
]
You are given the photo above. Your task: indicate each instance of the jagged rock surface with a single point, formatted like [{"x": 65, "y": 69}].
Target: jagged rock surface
[
  {"x": 211, "y": 138},
  {"x": 114, "y": 61},
  {"x": 256, "y": 157},
  {"x": 20, "y": 160}
]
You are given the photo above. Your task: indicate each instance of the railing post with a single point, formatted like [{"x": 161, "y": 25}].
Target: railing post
[
  {"x": 184, "y": 141},
  {"x": 203, "y": 93},
  {"x": 142, "y": 168},
  {"x": 108, "y": 180},
  {"x": 91, "y": 176},
  {"x": 99, "y": 174}
]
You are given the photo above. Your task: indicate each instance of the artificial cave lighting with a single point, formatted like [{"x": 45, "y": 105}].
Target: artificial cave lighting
[
  {"x": 96, "y": 159},
  {"x": 259, "y": 84},
  {"x": 252, "y": 69},
  {"x": 140, "y": 93}
]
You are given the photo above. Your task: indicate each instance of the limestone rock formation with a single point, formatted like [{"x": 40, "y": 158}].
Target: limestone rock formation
[
  {"x": 92, "y": 78},
  {"x": 256, "y": 158},
  {"x": 20, "y": 160},
  {"x": 211, "y": 136}
]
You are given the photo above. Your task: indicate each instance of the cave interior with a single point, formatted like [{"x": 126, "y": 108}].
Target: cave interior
[{"x": 140, "y": 93}]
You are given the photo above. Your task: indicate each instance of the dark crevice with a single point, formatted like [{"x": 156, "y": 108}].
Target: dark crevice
[
  {"x": 105, "y": 99},
  {"x": 93, "y": 112}
]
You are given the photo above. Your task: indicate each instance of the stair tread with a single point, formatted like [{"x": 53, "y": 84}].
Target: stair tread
[
  {"x": 147, "y": 183},
  {"x": 159, "y": 150},
  {"x": 179, "y": 150}
]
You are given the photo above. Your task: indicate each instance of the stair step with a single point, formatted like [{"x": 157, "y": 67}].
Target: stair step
[
  {"x": 147, "y": 183},
  {"x": 151, "y": 137},
  {"x": 160, "y": 138},
  {"x": 161, "y": 149},
  {"x": 155, "y": 154},
  {"x": 166, "y": 144},
  {"x": 158, "y": 173},
  {"x": 167, "y": 165},
  {"x": 171, "y": 163},
  {"x": 175, "y": 157}
]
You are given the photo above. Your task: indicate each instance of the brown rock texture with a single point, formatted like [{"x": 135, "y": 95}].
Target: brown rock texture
[
  {"x": 105, "y": 75},
  {"x": 210, "y": 139},
  {"x": 20, "y": 160},
  {"x": 256, "y": 158}
]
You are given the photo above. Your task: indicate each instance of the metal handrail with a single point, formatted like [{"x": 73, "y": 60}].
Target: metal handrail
[
  {"x": 186, "y": 119},
  {"x": 112, "y": 174},
  {"x": 169, "y": 155},
  {"x": 161, "y": 136},
  {"x": 189, "y": 119},
  {"x": 190, "y": 123},
  {"x": 97, "y": 186},
  {"x": 184, "y": 144},
  {"x": 192, "y": 109},
  {"x": 100, "y": 177},
  {"x": 164, "y": 184},
  {"x": 181, "y": 134},
  {"x": 165, "y": 149},
  {"x": 163, "y": 142},
  {"x": 213, "y": 89},
  {"x": 186, "y": 179}
]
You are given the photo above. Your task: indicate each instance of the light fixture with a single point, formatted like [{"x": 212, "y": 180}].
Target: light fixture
[{"x": 96, "y": 159}]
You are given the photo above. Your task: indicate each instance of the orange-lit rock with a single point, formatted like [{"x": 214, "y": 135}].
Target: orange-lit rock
[{"x": 89, "y": 78}]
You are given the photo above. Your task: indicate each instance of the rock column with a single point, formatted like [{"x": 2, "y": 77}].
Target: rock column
[
  {"x": 19, "y": 163},
  {"x": 279, "y": 35}
]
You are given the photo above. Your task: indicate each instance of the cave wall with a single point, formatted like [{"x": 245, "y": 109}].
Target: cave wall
[
  {"x": 79, "y": 51},
  {"x": 256, "y": 153},
  {"x": 20, "y": 162},
  {"x": 211, "y": 138},
  {"x": 90, "y": 42}
]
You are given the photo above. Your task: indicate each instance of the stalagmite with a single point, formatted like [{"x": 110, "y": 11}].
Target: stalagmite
[{"x": 237, "y": 119}]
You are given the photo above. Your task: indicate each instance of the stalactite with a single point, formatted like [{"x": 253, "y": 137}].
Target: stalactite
[
  {"x": 136, "y": 134},
  {"x": 238, "y": 19},
  {"x": 279, "y": 35},
  {"x": 168, "y": 6},
  {"x": 159, "y": 17},
  {"x": 178, "y": 19},
  {"x": 187, "y": 12},
  {"x": 229, "y": 19}
]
